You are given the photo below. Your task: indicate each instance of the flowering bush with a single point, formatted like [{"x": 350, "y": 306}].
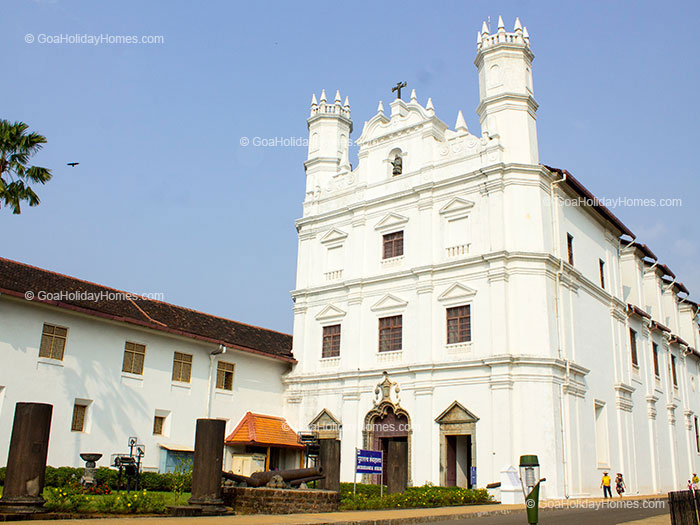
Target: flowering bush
[{"x": 67, "y": 499}]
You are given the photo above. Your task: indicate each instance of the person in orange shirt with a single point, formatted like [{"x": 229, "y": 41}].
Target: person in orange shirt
[{"x": 605, "y": 484}]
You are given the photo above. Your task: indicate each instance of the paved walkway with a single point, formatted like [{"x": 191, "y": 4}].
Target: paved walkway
[{"x": 373, "y": 517}]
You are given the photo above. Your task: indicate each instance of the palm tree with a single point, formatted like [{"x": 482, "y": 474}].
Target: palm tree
[{"x": 16, "y": 148}]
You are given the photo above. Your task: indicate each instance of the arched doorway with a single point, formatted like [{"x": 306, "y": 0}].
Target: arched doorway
[{"x": 387, "y": 427}]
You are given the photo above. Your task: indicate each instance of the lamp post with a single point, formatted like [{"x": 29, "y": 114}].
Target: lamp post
[{"x": 530, "y": 480}]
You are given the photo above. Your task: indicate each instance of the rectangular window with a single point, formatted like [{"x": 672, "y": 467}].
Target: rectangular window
[
  {"x": 78, "y": 422},
  {"x": 224, "y": 375},
  {"x": 53, "y": 341},
  {"x": 633, "y": 347},
  {"x": 602, "y": 443},
  {"x": 459, "y": 324},
  {"x": 570, "y": 247},
  {"x": 673, "y": 371},
  {"x": 390, "y": 329},
  {"x": 601, "y": 267},
  {"x": 134, "y": 355},
  {"x": 331, "y": 341},
  {"x": 158, "y": 425},
  {"x": 182, "y": 367},
  {"x": 697, "y": 435},
  {"x": 655, "y": 351},
  {"x": 393, "y": 245}
]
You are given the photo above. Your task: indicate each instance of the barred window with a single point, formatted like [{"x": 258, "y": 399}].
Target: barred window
[
  {"x": 158, "y": 425},
  {"x": 53, "y": 341},
  {"x": 78, "y": 422},
  {"x": 459, "y": 325},
  {"x": 393, "y": 245},
  {"x": 224, "y": 375},
  {"x": 182, "y": 367},
  {"x": 134, "y": 355},
  {"x": 331, "y": 341},
  {"x": 390, "y": 333}
]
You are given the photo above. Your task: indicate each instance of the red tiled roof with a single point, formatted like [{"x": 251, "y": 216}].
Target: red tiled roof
[
  {"x": 645, "y": 250},
  {"x": 17, "y": 278},
  {"x": 655, "y": 325},
  {"x": 635, "y": 310},
  {"x": 579, "y": 188},
  {"x": 676, "y": 339},
  {"x": 264, "y": 431}
]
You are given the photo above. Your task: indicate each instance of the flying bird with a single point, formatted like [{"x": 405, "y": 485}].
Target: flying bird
[{"x": 72, "y": 164}]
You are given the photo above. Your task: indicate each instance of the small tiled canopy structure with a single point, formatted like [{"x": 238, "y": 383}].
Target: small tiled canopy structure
[
  {"x": 264, "y": 431},
  {"x": 270, "y": 432}
]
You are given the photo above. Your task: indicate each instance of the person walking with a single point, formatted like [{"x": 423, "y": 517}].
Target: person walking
[
  {"x": 620, "y": 484},
  {"x": 696, "y": 481},
  {"x": 605, "y": 484}
]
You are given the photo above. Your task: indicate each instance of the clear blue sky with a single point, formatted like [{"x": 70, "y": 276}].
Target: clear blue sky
[{"x": 165, "y": 198}]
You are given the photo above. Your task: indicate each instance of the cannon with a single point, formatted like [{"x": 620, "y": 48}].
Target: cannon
[{"x": 292, "y": 476}]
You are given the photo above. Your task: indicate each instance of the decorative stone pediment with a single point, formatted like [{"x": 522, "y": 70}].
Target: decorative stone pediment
[
  {"x": 457, "y": 207},
  {"x": 456, "y": 414},
  {"x": 330, "y": 313},
  {"x": 325, "y": 424},
  {"x": 389, "y": 302},
  {"x": 390, "y": 221},
  {"x": 406, "y": 118},
  {"x": 456, "y": 292},
  {"x": 333, "y": 236}
]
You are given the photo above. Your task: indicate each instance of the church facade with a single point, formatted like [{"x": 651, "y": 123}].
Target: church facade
[{"x": 459, "y": 303}]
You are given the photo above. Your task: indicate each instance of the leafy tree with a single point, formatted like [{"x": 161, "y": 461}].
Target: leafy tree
[{"x": 17, "y": 146}]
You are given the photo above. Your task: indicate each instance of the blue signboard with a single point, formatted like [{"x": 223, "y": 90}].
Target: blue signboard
[
  {"x": 473, "y": 476},
  {"x": 368, "y": 462}
]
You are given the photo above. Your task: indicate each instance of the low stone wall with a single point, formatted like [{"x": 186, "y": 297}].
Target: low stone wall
[{"x": 263, "y": 500}]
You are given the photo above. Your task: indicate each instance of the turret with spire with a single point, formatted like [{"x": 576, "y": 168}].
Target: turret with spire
[
  {"x": 330, "y": 127},
  {"x": 507, "y": 107}
]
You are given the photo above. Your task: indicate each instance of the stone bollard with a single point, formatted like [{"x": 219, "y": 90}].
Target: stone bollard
[
  {"x": 26, "y": 461},
  {"x": 208, "y": 465}
]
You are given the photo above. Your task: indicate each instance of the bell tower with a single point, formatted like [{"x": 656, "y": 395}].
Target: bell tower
[
  {"x": 507, "y": 107},
  {"x": 329, "y": 140}
]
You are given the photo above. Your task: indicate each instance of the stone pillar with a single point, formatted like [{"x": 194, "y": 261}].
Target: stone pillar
[
  {"x": 26, "y": 461},
  {"x": 208, "y": 463},
  {"x": 396, "y": 466},
  {"x": 330, "y": 461}
]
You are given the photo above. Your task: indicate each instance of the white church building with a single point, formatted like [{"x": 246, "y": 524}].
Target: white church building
[
  {"x": 457, "y": 294},
  {"x": 458, "y": 303}
]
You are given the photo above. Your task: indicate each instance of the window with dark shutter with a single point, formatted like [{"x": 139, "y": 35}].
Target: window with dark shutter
[
  {"x": 182, "y": 367},
  {"x": 601, "y": 267},
  {"x": 570, "y": 247},
  {"x": 331, "y": 341},
  {"x": 78, "y": 421},
  {"x": 459, "y": 327},
  {"x": 134, "y": 355},
  {"x": 53, "y": 341},
  {"x": 393, "y": 245},
  {"x": 633, "y": 347},
  {"x": 655, "y": 351},
  {"x": 673, "y": 371},
  {"x": 224, "y": 375},
  {"x": 390, "y": 333}
]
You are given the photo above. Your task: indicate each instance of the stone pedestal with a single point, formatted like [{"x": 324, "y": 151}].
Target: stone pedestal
[
  {"x": 26, "y": 462},
  {"x": 208, "y": 463},
  {"x": 329, "y": 456}
]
